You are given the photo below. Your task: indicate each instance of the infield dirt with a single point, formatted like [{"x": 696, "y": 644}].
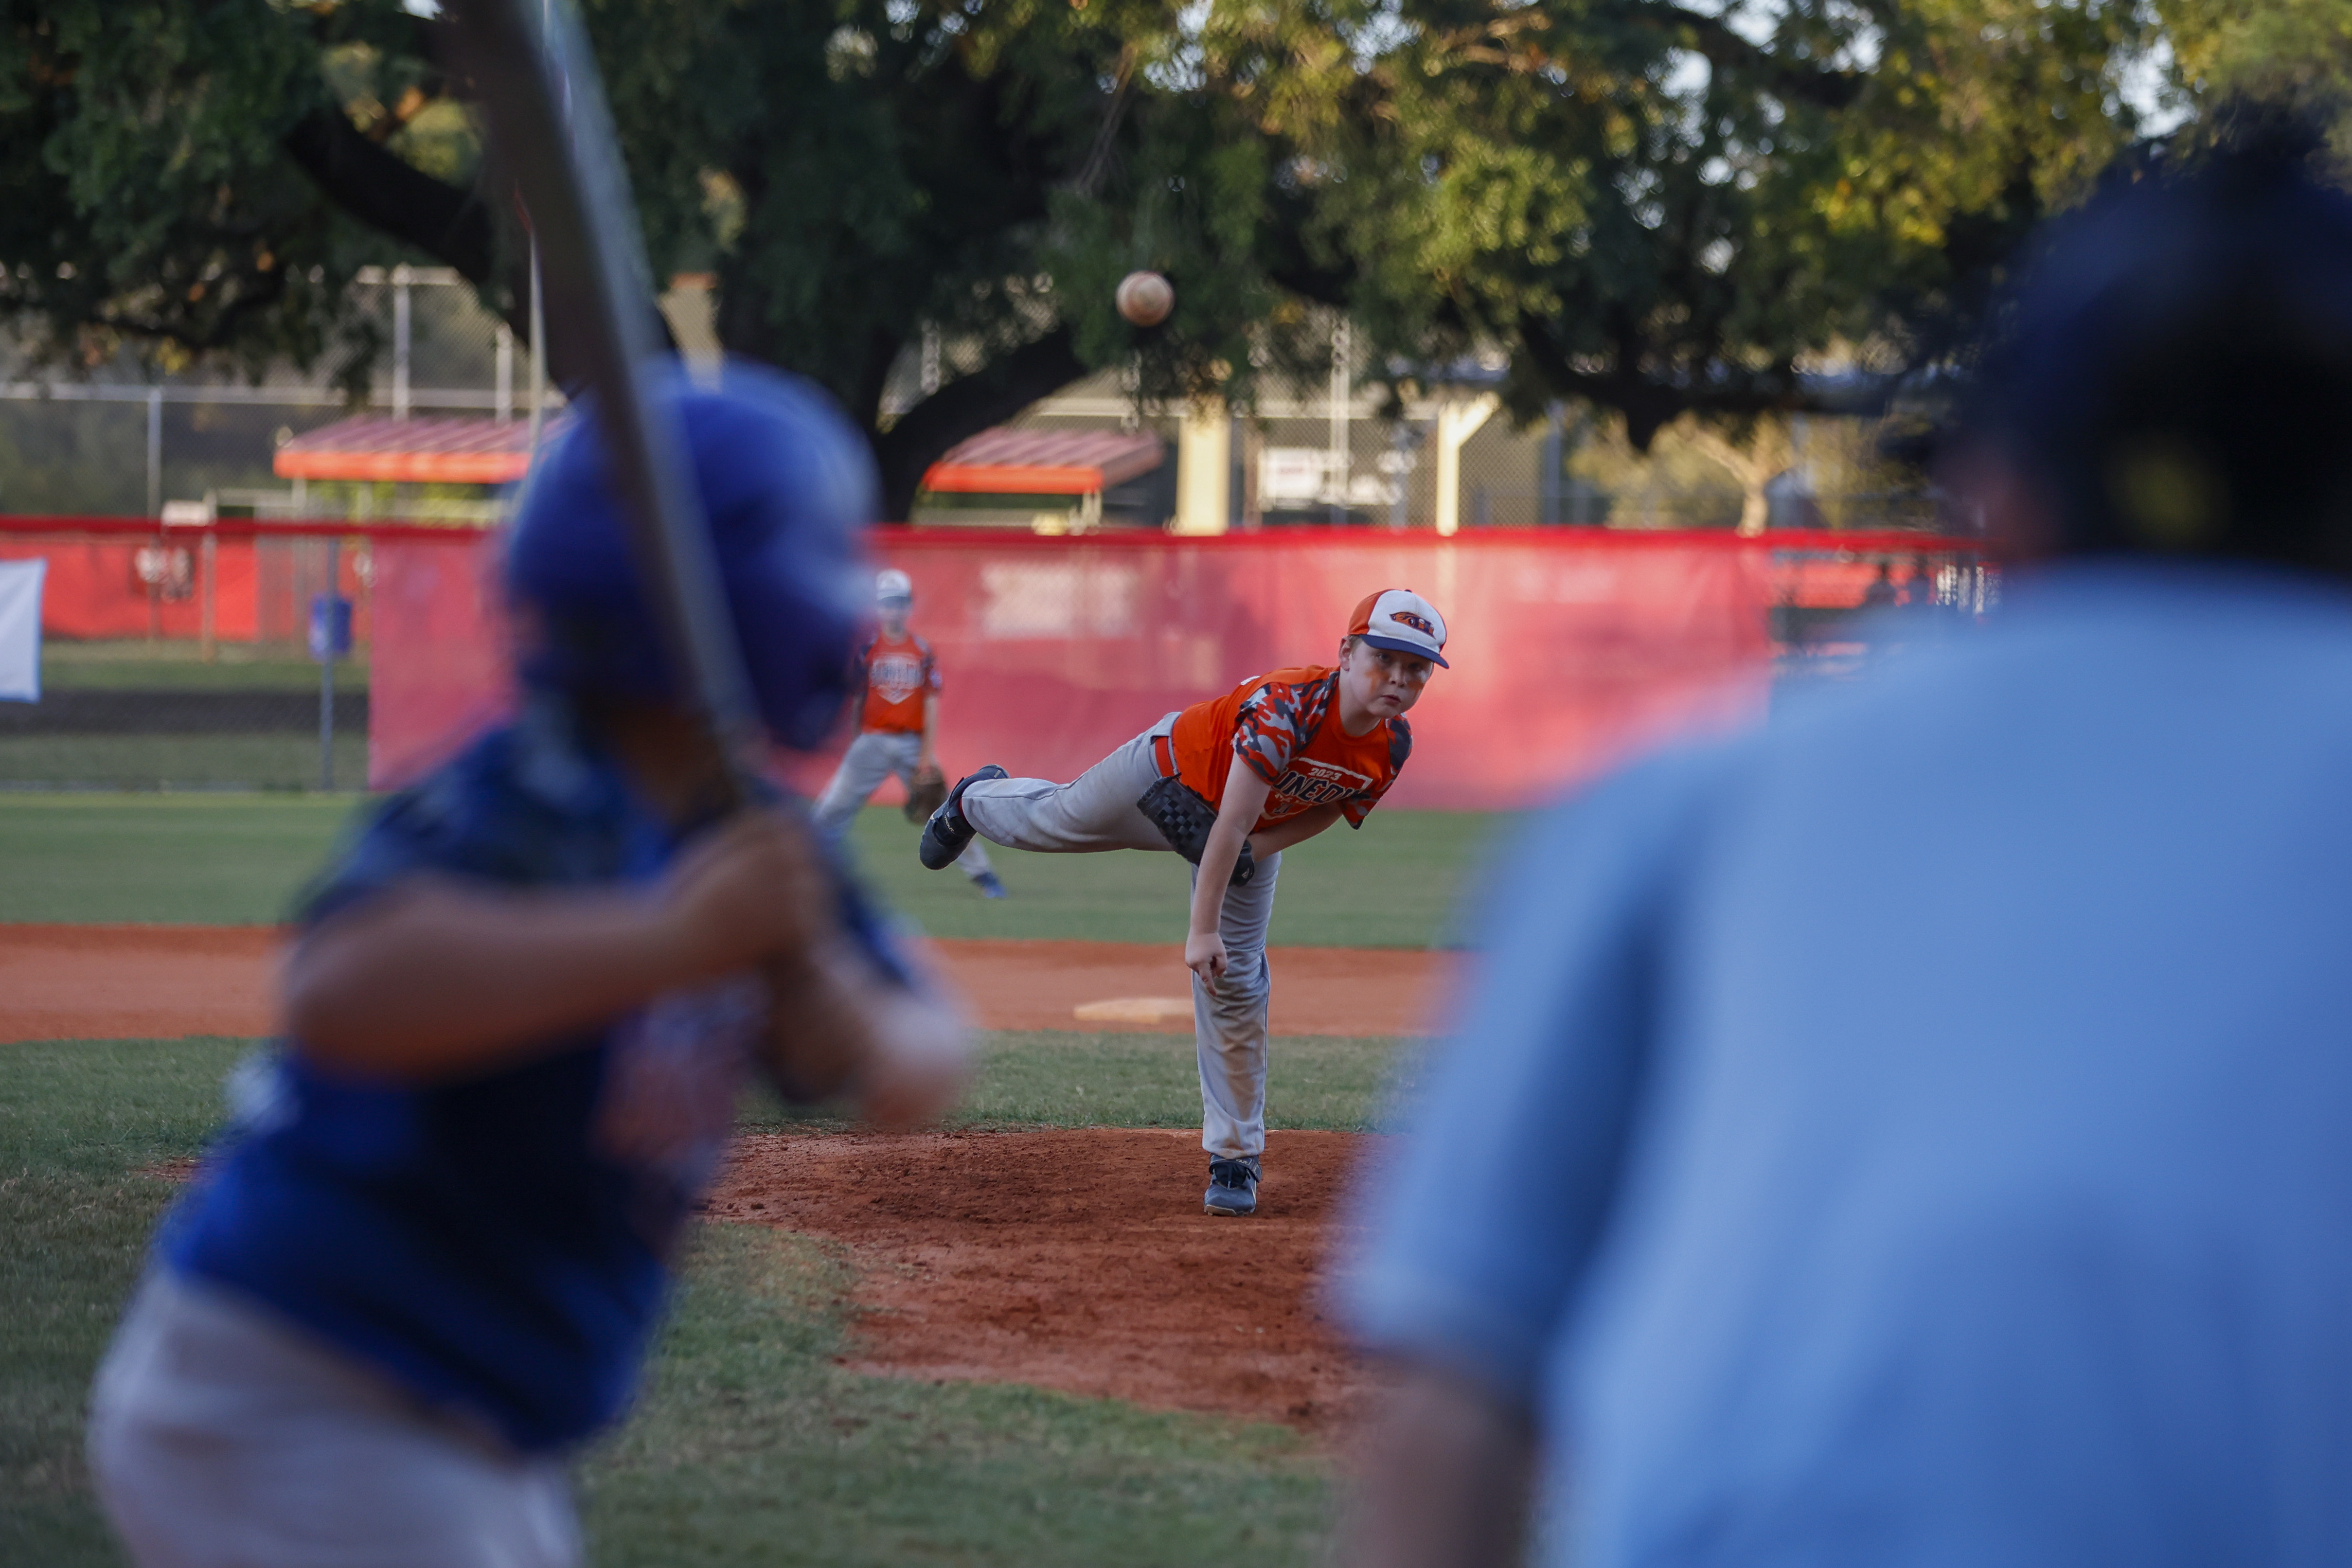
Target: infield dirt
[
  {"x": 1075, "y": 1260},
  {"x": 153, "y": 981}
]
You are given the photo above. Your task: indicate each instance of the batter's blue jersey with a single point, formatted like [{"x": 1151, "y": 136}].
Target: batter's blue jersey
[
  {"x": 1920, "y": 1133},
  {"x": 498, "y": 1245}
]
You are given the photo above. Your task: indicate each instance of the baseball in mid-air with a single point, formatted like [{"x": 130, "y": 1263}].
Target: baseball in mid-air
[{"x": 1146, "y": 297}]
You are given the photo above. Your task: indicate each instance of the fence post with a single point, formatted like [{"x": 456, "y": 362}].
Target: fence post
[
  {"x": 327, "y": 669},
  {"x": 400, "y": 342},
  {"x": 504, "y": 372},
  {"x": 211, "y": 556},
  {"x": 1342, "y": 347},
  {"x": 538, "y": 353},
  {"x": 155, "y": 451},
  {"x": 1555, "y": 462}
]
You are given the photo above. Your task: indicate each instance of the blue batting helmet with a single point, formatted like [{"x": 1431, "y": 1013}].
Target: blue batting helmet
[{"x": 787, "y": 484}]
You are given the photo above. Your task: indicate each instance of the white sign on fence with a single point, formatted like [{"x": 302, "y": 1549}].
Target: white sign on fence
[
  {"x": 20, "y": 629},
  {"x": 1293, "y": 475},
  {"x": 1290, "y": 477}
]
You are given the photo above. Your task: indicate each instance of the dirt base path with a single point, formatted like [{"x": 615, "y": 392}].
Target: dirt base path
[
  {"x": 1078, "y": 1261},
  {"x": 162, "y": 981},
  {"x": 95, "y": 983}
]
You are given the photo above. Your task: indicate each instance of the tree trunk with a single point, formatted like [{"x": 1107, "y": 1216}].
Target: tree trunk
[
  {"x": 964, "y": 407},
  {"x": 444, "y": 221},
  {"x": 454, "y": 226},
  {"x": 1753, "y": 466}
]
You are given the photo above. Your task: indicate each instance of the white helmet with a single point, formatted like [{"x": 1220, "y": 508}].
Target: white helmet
[{"x": 892, "y": 586}]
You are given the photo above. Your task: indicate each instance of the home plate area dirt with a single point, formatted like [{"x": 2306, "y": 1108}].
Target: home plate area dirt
[{"x": 1075, "y": 1260}]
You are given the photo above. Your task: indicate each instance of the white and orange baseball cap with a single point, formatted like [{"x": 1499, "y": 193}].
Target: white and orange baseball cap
[{"x": 1402, "y": 621}]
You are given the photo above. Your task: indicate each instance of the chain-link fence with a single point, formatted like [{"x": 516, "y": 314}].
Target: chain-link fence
[
  {"x": 194, "y": 659},
  {"x": 1341, "y": 452},
  {"x": 116, "y": 442},
  {"x": 184, "y": 657}
]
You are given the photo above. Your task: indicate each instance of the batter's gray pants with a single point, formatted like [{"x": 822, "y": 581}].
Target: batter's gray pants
[
  {"x": 874, "y": 756},
  {"x": 221, "y": 1436},
  {"x": 1099, "y": 812}
]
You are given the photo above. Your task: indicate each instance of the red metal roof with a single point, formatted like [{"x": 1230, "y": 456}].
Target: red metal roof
[
  {"x": 421, "y": 451},
  {"x": 1046, "y": 462}
]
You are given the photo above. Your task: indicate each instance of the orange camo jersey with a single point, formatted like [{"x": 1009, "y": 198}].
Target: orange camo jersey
[
  {"x": 900, "y": 672},
  {"x": 1286, "y": 726}
]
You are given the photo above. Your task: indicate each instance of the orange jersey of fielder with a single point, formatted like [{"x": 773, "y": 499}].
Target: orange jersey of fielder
[
  {"x": 1286, "y": 726},
  {"x": 899, "y": 673}
]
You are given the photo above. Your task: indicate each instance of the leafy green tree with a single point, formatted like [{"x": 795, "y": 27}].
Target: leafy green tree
[
  {"x": 1663, "y": 211},
  {"x": 1654, "y": 208},
  {"x": 179, "y": 176},
  {"x": 204, "y": 177},
  {"x": 2293, "y": 53}
]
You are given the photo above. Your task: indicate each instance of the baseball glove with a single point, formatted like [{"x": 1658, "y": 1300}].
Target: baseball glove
[
  {"x": 926, "y": 794},
  {"x": 1184, "y": 818}
]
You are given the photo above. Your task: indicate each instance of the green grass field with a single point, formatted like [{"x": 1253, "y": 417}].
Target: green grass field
[
  {"x": 164, "y": 764},
  {"x": 751, "y": 1446},
  {"x": 261, "y": 757},
  {"x": 133, "y": 664},
  {"x": 240, "y": 859},
  {"x": 179, "y": 860}
]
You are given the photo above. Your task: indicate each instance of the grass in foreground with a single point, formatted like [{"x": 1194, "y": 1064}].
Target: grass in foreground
[
  {"x": 77, "y": 1123},
  {"x": 751, "y": 1446},
  {"x": 240, "y": 860}
]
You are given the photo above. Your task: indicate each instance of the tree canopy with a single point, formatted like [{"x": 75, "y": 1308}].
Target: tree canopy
[{"x": 1659, "y": 208}]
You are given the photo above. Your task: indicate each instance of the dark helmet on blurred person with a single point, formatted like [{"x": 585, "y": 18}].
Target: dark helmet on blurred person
[
  {"x": 2174, "y": 375},
  {"x": 787, "y": 486}
]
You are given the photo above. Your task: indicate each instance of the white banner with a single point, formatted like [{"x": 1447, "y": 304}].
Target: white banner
[{"x": 20, "y": 629}]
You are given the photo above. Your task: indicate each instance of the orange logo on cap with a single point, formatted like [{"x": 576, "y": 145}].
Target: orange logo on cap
[{"x": 1418, "y": 623}]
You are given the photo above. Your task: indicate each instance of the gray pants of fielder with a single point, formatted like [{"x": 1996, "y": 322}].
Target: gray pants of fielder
[
  {"x": 1099, "y": 812},
  {"x": 874, "y": 756}
]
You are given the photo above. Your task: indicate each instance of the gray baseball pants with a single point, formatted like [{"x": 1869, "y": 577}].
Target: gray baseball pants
[
  {"x": 1097, "y": 811},
  {"x": 222, "y": 1436},
  {"x": 874, "y": 756}
]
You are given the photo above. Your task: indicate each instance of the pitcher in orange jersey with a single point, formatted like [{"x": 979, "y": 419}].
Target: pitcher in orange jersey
[{"x": 1229, "y": 783}]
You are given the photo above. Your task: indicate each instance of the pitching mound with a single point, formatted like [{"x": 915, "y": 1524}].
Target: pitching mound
[{"x": 1079, "y": 1261}]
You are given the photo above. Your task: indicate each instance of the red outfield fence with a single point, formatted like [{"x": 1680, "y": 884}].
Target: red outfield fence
[{"x": 1568, "y": 646}]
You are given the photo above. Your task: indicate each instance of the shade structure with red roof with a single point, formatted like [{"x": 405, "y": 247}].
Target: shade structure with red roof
[
  {"x": 1045, "y": 462},
  {"x": 411, "y": 451}
]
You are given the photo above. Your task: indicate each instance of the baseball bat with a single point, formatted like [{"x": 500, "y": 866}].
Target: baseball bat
[{"x": 551, "y": 128}]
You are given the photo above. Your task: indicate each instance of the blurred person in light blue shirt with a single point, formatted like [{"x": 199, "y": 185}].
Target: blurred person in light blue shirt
[{"x": 1787, "y": 1199}]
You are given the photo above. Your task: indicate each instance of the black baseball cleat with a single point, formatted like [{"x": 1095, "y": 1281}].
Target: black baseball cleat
[
  {"x": 1233, "y": 1187},
  {"x": 946, "y": 835}
]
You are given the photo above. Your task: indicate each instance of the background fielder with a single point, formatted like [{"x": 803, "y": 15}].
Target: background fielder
[
  {"x": 1229, "y": 783},
  {"x": 897, "y": 682}
]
